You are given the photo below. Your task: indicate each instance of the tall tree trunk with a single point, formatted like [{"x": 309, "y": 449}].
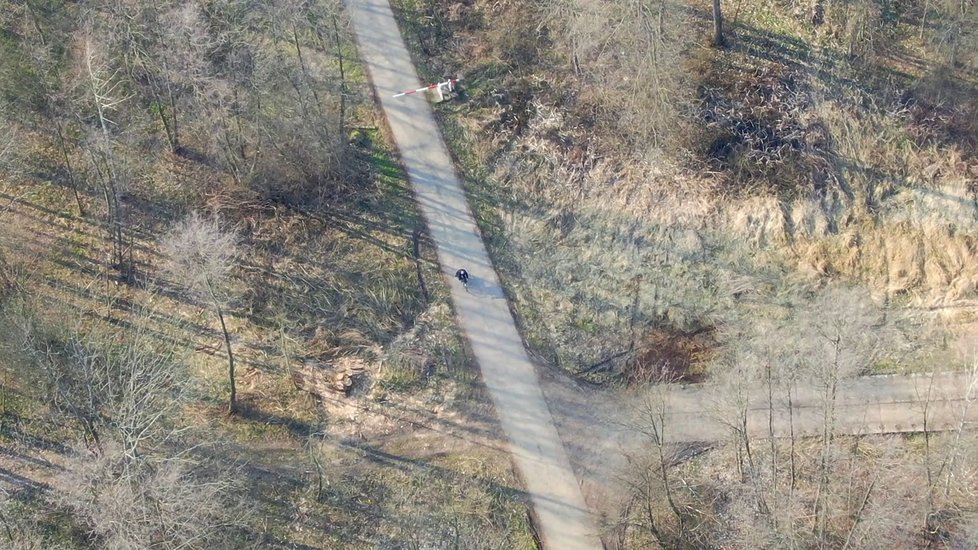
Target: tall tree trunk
[
  {"x": 828, "y": 432},
  {"x": 969, "y": 397},
  {"x": 305, "y": 73},
  {"x": 658, "y": 436},
  {"x": 113, "y": 222},
  {"x": 171, "y": 138},
  {"x": 104, "y": 92},
  {"x": 174, "y": 133},
  {"x": 718, "y": 40},
  {"x": 71, "y": 172},
  {"x": 339, "y": 58},
  {"x": 233, "y": 394},
  {"x": 791, "y": 433},
  {"x": 927, "y": 450},
  {"x": 176, "y": 126},
  {"x": 773, "y": 441}
]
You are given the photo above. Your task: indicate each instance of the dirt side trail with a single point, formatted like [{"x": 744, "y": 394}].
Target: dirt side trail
[
  {"x": 865, "y": 405},
  {"x": 603, "y": 430},
  {"x": 561, "y": 516}
]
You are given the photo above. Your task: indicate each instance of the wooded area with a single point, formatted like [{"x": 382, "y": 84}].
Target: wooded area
[
  {"x": 192, "y": 194},
  {"x": 224, "y": 325}
]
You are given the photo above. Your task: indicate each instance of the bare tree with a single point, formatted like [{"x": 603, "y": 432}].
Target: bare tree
[
  {"x": 955, "y": 34},
  {"x": 952, "y": 461},
  {"x": 632, "y": 51},
  {"x": 105, "y": 93},
  {"x": 136, "y": 479},
  {"x": 300, "y": 102},
  {"x": 886, "y": 500},
  {"x": 835, "y": 336},
  {"x": 841, "y": 331},
  {"x": 166, "y": 47},
  {"x": 140, "y": 30},
  {"x": 737, "y": 380},
  {"x": 152, "y": 502},
  {"x": 761, "y": 373},
  {"x": 102, "y": 378},
  {"x": 201, "y": 256},
  {"x": 232, "y": 95},
  {"x": 133, "y": 484},
  {"x": 655, "y": 508},
  {"x": 946, "y": 491},
  {"x": 64, "y": 143},
  {"x": 45, "y": 102}
]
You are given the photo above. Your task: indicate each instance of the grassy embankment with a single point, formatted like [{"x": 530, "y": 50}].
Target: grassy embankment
[{"x": 638, "y": 234}]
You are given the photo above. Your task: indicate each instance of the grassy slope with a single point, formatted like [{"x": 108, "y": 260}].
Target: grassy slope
[{"x": 603, "y": 245}]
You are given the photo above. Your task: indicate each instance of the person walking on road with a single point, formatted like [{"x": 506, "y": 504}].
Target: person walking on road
[{"x": 463, "y": 276}]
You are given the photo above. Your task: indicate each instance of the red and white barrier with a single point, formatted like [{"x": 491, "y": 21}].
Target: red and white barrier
[{"x": 442, "y": 88}]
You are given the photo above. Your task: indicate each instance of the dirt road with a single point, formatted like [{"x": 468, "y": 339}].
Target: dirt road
[
  {"x": 561, "y": 516},
  {"x": 602, "y": 429},
  {"x": 865, "y": 405}
]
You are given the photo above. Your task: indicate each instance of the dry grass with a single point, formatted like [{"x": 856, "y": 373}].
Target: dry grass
[
  {"x": 830, "y": 174},
  {"x": 428, "y": 489},
  {"x": 336, "y": 266},
  {"x": 310, "y": 287}
]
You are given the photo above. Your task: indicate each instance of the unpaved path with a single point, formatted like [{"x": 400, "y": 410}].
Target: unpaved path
[
  {"x": 604, "y": 431},
  {"x": 562, "y": 518},
  {"x": 597, "y": 425},
  {"x": 865, "y": 405}
]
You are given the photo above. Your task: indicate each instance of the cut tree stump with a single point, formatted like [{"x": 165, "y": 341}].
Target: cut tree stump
[{"x": 335, "y": 377}]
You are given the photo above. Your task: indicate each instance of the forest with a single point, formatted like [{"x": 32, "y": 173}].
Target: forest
[
  {"x": 223, "y": 323},
  {"x": 219, "y": 305}
]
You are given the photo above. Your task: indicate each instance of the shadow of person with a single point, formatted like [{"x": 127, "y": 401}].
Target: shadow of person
[{"x": 483, "y": 289}]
